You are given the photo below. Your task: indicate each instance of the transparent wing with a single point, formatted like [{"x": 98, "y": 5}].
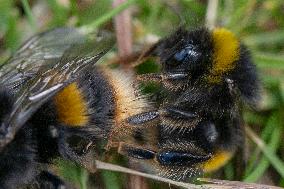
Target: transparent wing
[
  {"x": 48, "y": 77},
  {"x": 38, "y": 50}
]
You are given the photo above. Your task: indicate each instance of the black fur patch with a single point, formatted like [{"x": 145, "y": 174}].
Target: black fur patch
[
  {"x": 18, "y": 160},
  {"x": 246, "y": 78},
  {"x": 100, "y": 97},
  {"x": 6, "y": 102}
]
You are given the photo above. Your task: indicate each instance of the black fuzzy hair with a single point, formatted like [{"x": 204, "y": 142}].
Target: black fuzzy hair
[
  {"x": 6, "y": 102},
  {"x": 246, "y": 78},
  {"x": 18, "y": 160}
]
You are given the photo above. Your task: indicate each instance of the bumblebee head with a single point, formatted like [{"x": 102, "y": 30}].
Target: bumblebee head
[
  {"x": 186, "y": 52},
  {"x": 212, "y": 58},
  {"x": 200, "y": 53}
]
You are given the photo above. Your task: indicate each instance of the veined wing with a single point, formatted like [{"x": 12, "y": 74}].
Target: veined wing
[{"x": 48, "y": 78}]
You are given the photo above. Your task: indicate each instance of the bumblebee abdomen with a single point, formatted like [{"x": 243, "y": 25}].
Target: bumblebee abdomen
[
  {"x": 88, "y": 101},
  {"x": 219, "y": 159},
  {"x": 71, "y": 107},
  {"x": 102, "y": 97}
]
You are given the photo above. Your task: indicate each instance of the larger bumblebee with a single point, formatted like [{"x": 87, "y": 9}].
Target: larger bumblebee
[{"x": 207, "y": 76}]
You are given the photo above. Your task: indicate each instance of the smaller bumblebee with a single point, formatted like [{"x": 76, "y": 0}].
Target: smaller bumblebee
[
  {"x": 57, "y": 103},
  {"x": 42, "y": 109},
  {"x": 207, "y": 76}
]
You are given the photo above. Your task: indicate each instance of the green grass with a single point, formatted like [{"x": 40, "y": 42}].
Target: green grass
[
  {"x": 259, "y": 23},
  {"x": 29, "y": 14}
]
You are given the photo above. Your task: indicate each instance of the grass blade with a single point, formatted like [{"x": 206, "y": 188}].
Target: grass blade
[
  {"x": 267, "y": 151},
  {"x": 273, "y": 144},
  {"x": 104, "y": 18},
  {"x": 29, "y": 14}
]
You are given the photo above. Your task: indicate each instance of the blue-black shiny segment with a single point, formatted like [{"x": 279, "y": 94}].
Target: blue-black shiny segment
[
  {"x": 181, "y": 158},
  {"x": 187, "y": 54},
  {"x": 140, "y": 153},
  {"x": 142, "y": 118},
  {"x": 176, "y": 113}
]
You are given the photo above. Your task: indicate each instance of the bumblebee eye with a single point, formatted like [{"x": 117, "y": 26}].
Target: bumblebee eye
[{"x": 187, "y": 54}]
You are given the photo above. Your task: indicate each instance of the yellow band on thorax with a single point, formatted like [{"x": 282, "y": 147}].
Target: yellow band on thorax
[{"x": 225, "y": 54}]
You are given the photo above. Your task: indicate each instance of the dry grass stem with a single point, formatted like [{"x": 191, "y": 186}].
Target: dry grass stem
[
  {"x": 210, "y": 183},
  {"x": 211, "y": 13}
]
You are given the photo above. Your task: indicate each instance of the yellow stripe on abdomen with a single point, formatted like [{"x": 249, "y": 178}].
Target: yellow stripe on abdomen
[
  {"x": 71, "y": 106},
  {"x": 219, "y": 159},
  {"x": 225, "y": 53}
]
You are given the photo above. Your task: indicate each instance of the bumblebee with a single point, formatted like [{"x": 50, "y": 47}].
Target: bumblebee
[
  {"x": 56, "y": 102},
  {"x": 44, "y": 114},
  {"x": 207, "y": 75}
]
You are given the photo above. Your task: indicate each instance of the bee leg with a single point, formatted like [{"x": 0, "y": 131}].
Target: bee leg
[
  {"x": 180, "y": 158},
  {"x": 175, "y": 119},
  {"x": 138, "y": 128},
  {"x": 136, "y": 152},
  {"x": 143, "y": 118},
  {"x": 165, "y": 158},
  {"x": 132, "y": 128},
  {"x": 151, "y": 117},
  {"x": 162, "y": 77},
  {"x": 154, "y": 116},
  {"x": 173, "y": 164},
  {"x": 178, "y": 114},
  {"x": 171, "y": 81},
  {"x": 180, "y": 165}
]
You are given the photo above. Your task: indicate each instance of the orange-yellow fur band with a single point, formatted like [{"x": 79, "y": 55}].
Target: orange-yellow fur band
[
  {"x": 71, "y": 106},
  {"x": 225, "y": 54}
]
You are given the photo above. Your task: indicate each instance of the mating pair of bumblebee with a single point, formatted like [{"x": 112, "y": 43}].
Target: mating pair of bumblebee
[{"x": 55, "y": 102}]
